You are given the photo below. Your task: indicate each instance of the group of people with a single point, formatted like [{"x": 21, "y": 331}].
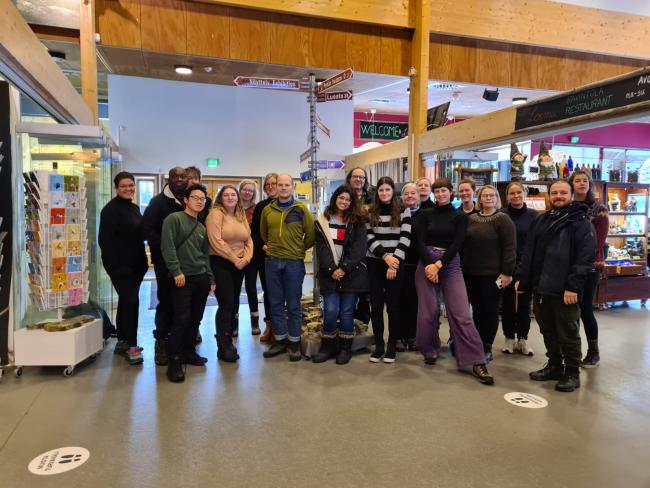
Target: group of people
[{"x": 375, "y": 249}]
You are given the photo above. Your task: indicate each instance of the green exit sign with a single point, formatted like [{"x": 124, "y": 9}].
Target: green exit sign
[{"x": 213, "y": 163}]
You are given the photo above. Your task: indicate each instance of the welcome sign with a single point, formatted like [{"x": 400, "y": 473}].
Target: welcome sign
[{"x": 390, "y": 131}]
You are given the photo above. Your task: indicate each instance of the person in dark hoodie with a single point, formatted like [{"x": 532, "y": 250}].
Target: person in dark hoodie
[
  {"x": 560, "y": 252},
  {"x": 342, "y": 274},
  {"x": 162, "y": 205},
  {"x": 515, "y": 308},
  {"x": 124, "y": 259}
]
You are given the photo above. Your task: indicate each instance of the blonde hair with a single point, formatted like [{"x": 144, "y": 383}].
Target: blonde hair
[
  {"x": 240, "y": 215},
  {"x": 249, "y": 182},
  {"x": 515, "y": 183},
  {"x": 409, "y": 184},
  {"x": 269, "y": 175},
  {"x": 497, "y": 203}
]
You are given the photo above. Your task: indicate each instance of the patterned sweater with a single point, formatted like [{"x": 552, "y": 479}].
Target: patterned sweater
[{"x": 385, "y": 239}]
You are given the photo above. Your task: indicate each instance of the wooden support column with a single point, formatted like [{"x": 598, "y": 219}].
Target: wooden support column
[
  {"x": 419, "y": 86},
  {"x": 88, "y": 54}
]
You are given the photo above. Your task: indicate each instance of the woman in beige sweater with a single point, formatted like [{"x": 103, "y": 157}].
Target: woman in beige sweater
[{"x": 231, "y": 249}]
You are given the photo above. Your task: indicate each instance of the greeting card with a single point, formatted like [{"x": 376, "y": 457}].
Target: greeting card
[
  {"x": 74, "y": 264},
  {"x": 75, "y": 296},
  {"x": 56, "y": 183},
  {"x": 59, "y": 282},
  {"x": 57, "y": 232},
  {"x": 58, "y": 249},
  {"x": 57, "y": 199},
  {"x": 74, "y": 248},
  {"x": 72, "y": 216},
  {"x": 57, "y": 216},
  {"x": 73, "y": 232},
  {"x": 71, "y": 183},
  {"x": 58, "y": 265},
  {"x": 74, "y": 280},
  {"x": 72, "y": 200}
]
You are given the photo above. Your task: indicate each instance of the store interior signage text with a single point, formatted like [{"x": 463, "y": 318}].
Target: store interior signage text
[{"x": 382, "y": 130}]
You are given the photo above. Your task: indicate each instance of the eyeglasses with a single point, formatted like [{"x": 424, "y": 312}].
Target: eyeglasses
[
  {"x": 488, "y": 195},
  {"x": 357, "y": 177},
  {"x": 246, "y": 190},
  {"x": 270, "y": 185},
  {"x": 198, "y": 199}
]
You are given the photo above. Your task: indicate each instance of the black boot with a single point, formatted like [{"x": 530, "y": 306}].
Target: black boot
[
  {"x": 487, "y": 350},
  {"x": 279, "y": 347},
  {"x": 194, "y": 359},
  {"x": 255, "y": 325},
  {"x": 294, "y": 351},
  {"x": 328, "y": 350},
  {"x": 345, "y": 350},
  {"x": 235, "y": 325},
  {"x": 550, "y": 371},
  {"x": 160, "y": 353},
  {"x": 175, "y": 372},
  {"x": 226, "y": 351},
  {"x": 592, "y": 359},
  {"x": 570, "y": 381}
]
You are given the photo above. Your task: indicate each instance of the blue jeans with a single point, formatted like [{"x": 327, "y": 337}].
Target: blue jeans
[
  {"x": 339, "y": 306},
  {"x": 284, "y": 279}
]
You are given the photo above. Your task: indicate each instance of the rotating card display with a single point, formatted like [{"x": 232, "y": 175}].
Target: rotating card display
[{"x": 56, "y": 239}]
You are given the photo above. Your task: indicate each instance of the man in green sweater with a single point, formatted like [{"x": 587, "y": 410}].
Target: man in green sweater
[
  {"x": 184, "y": 245},
  {"x": 287, "y": 228}
]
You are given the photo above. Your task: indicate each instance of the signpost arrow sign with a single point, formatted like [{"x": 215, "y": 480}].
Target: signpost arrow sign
[
  {"x": 306, "y": 155},
  {"x": 272, "y": 83},
  {"x": 335, "y": 80},
  {"x": 305, "y": 175},
  {"x": 331, "y": 164},
  {"x": 334, "y": 96}
]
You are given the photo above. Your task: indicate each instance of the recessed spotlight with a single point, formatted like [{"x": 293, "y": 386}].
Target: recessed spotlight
[
  {"x": 182, "y": 69},
  {"x": 208, "y": 69},
  {"x": 519, "y": 100}
]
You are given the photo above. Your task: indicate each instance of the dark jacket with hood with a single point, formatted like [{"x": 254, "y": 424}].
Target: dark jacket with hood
[
  {"x": 160, "y": 206},
  {"x": 559, "y": 253},
  {"x": 352, "y": 260}
]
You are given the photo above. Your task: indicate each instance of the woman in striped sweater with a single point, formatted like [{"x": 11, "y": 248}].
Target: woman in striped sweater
[{"x": 389, "y": 237}]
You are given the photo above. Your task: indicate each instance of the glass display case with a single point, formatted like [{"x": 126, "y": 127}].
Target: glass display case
[{"x": 66, "y": 155}]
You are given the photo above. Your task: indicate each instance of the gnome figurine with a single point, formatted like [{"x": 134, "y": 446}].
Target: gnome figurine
[
  {"x": 545, "y": 163},
  {"x": 517, "y": 161}
]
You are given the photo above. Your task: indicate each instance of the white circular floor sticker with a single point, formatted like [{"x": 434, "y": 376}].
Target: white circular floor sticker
[
  {"x": 526, "y": 400},
  {"x": 59, "y": 460}
]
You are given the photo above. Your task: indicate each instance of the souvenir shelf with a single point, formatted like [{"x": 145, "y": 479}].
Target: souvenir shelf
[{"x": 626, "y": 268}]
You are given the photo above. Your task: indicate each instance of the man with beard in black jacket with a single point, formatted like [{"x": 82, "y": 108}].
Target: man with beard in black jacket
[
  {"x": 559, "y": 253},
  {"x": 160, "y": 206}
]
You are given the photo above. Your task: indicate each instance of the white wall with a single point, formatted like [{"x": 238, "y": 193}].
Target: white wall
[{"x": 159, "y": 124}]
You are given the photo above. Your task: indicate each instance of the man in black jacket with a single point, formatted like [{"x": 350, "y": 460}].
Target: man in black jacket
[
  {"x": 160, "y": 206},
  {"x": 559, "y": 253}
]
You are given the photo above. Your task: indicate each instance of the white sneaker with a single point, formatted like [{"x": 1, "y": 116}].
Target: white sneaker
[
  {"x": 523, "y": 348},
  {"x": 509, "y": 346}
]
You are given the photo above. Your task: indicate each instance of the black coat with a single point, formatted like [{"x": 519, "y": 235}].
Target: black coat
[
  {"x": 158, "y": 209},
  {"x": 120, "y": 240},
  {"x": 559, "y": 252},
  {"x": 353, "y": 260}
]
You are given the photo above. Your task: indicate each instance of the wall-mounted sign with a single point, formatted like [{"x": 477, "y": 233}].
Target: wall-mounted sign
[
  {"x": 382, "y": 130},
  {"x": 271, "y": 83},
  {"x": 213, "y": 163},
  {"x": 626, "y": 90},
  {"x": 335, "y": 80}
]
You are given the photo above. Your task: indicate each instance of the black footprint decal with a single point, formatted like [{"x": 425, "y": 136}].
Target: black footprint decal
[
  {"x": 68, "y": 458},
  {"x": 520, "y": 400}
]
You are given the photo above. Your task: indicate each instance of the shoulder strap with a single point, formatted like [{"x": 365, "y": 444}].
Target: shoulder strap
[{"x": 187, "y": 236}]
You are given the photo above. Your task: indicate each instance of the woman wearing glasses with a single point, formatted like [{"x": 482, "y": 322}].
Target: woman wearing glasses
[
  {"x": 488, "y": 260},
  {"x": 259, "y": 248},
  {"x": 341, "y": 251},
  {"x": 231, "y": 250},
  {"x": 248, "y": 195}
]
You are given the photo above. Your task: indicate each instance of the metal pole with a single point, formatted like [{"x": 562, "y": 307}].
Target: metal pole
[{"x": 313, "y": 166}]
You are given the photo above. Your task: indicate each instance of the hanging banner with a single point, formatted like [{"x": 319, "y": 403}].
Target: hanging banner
[{"x": 6, "y": 210}]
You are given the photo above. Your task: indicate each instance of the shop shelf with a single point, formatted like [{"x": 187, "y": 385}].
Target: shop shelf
[{"x": 625, "y": 235}]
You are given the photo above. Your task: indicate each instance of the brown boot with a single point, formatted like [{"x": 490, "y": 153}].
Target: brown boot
[{"x": 267, "y": 336}]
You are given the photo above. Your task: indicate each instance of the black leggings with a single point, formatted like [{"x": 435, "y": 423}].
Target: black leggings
[
  {"x": 485, "y": 297},
  {"x": 250, "y": 282},
  {"x": 127, "y": 288},
  {"x": 384, "y": 292},
  {"x": 587, "y": 304},
  {"x": 228, "y": 281}
]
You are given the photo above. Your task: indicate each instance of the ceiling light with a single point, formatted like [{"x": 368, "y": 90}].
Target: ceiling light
[
  {"x": 519, "y": 100},
  {"x": 182, "y": 69},
  {"x": 208, "y": 69}
]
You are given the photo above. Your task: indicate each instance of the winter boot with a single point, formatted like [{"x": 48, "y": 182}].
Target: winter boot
[
  {"x": 235, "y": 325},
  {"x": 276, "y": 349},
  {"x": 267, "y": 336},
  {"x": 160, "y": 353},
  {"x": 226, "y": 350},
  {"x": 345, "y": 350},
  {"x": 294, "y": 351},
  {"x": 175, "y": 372},
  {"x": 255, "y": 325},
  {"x": 592, "y": 359},
  {"x": 328, "y": 350},
  {"x": 570, "y": 381},
  {"x": 550, "y": 371}
]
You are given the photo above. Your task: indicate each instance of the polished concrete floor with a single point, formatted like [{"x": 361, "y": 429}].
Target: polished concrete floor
[{"x": 272, "y": 423}]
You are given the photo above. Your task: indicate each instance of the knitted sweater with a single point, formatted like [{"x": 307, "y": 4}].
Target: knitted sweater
[
  {"x": 288, "y": 232},
  {"x": 384, "y": 239},
  {"x": 491, "y": 246},
  {"x": 229, "y": 238},
  {"x": 522, "y": 218}
]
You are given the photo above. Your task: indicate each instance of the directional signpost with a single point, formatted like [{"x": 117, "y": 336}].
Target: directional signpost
[
  {"x": 331, "y": 164},
  {"x": 334, "y": 96},
  {"x": 335, "y": 80},
  {"x": 269, "y": 83}
]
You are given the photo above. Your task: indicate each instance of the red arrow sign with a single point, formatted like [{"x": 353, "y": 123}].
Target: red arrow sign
[
  {"x": 272, "y": 83},
  {"x": 335, "y": 80},
  {"x": 333, "y": 96}
]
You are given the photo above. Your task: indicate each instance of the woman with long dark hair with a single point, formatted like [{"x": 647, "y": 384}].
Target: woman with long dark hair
[
  {"x": 342, "y": 272},
  {"x": 125, "y": 261},
  {"x": 389, "y": 237},
  {"x": 583, "y": 191},
  {"x": 231, "y": 250},
  {"x": 440, "y": 236}
]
